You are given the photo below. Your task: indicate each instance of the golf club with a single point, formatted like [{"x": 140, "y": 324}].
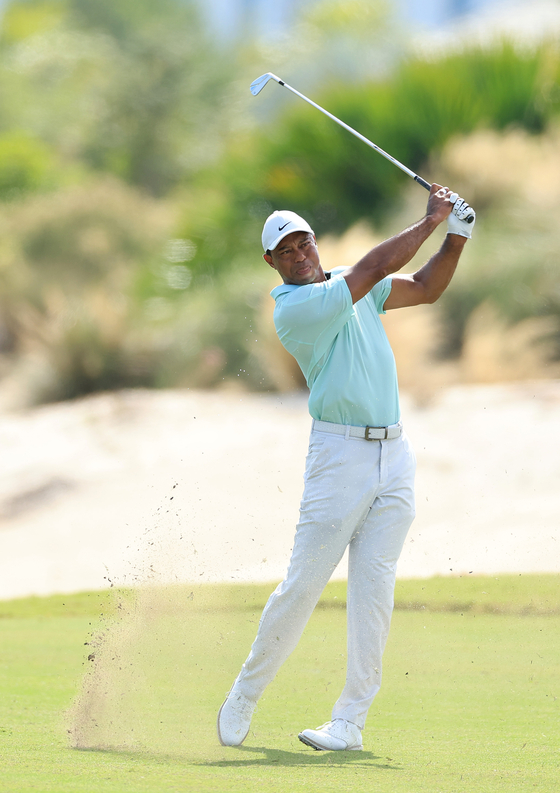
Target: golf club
[{"x": 259, "y": 84}]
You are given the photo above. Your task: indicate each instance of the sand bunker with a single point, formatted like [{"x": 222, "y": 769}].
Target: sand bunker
[{"x": 176, "y": 486}]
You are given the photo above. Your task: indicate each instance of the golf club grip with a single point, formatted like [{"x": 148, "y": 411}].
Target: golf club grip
[
  {"x": 428, "y": 186},
  {"x": 423, "y": 182}
]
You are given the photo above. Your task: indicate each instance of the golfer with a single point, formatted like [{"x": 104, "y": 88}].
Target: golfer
[{"x": 359, "y": 476}]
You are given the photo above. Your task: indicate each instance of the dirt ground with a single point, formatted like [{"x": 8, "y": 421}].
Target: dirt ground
[{"x": 142, "y": 486}]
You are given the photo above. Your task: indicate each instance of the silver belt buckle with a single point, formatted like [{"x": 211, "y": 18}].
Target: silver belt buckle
[{"x": 366, "y": 435}]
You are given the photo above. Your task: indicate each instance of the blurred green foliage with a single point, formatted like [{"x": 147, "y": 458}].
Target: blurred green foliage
[
  {"x": 514, "y": 269},
  {"x": 27, "y": 165},
  {"x": 69, "y": 261},
  {"x": 134, "y": 181},
  {"x": 130, "y": 88}
]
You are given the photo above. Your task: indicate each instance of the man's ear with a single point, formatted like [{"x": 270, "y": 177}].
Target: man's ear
[{"x": 268, "y": 260}]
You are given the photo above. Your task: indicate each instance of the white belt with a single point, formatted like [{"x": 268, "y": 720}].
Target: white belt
[{"x": 367, "y": 433}]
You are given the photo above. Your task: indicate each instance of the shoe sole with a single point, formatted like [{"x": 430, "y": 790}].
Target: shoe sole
[
  {"x": 304, "y": 739},
  {"x": 218, "y": 728}
]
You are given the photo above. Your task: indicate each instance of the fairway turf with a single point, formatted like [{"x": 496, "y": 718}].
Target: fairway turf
[{"x": 470, "y": 697}]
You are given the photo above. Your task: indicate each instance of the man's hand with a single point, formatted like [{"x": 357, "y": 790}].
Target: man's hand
[
  {"x": 456, "y": 222},
  {"x": 440, "y": 203}
]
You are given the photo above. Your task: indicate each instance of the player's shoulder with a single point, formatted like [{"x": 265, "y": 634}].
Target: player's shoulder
[
  {"x": 295, "y": 293},
  {"x": 336, "y": 271}
]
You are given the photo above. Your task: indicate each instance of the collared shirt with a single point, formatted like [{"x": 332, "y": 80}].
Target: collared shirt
[{"x": 342, "y": 350}]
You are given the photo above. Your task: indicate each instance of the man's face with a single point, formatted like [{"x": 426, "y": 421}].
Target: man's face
[{"x": 296, "y": 259}]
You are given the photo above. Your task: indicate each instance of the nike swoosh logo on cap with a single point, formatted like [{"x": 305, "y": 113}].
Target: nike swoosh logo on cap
[{"x": 280, "y": 228}]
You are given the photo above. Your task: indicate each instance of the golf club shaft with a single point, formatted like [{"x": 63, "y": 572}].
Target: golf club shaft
[
  {"x": 257, "y": 86},
  {"x": 416, "y": 178}
]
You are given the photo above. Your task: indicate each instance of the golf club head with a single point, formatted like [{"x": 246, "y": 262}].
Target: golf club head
[{"x": 258, "y": 84}]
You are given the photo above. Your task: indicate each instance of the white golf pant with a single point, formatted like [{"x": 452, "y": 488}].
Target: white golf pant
[{"x": 358, "y": 494}]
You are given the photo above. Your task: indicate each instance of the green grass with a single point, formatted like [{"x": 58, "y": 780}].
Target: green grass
[{"x": 470, "y": 698}]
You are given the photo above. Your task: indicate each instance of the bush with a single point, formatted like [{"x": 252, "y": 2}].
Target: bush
[
  {"x": 513, "y": 180},
  {"x": 96, "y": 295},
  {"x": 26, "y": 165},
  {"x": 69, "y": 263}
]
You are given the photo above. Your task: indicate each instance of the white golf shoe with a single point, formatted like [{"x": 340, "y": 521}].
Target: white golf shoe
[
  {"x": 234, "y": 719},
  {"x": 338, "y": 735}
]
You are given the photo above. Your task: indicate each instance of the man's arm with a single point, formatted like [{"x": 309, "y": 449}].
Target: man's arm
[
  {"x": 392, "y": 255},
  {"x": 430, "y": 281}
]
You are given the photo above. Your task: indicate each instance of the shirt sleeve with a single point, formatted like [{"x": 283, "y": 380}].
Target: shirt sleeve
[
  {"x": 314, "y": 314},
  {"x": 380, "y": 293}
]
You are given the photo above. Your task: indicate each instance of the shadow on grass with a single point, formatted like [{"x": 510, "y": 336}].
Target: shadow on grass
[
  {"x": 302, "y": 758},
  {"x": 241, "y": 758}
]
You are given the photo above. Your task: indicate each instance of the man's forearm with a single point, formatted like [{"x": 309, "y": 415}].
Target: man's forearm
[{"x": 435, "y": 275}]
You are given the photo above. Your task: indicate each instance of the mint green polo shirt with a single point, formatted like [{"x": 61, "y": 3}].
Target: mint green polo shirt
[{"x": 342, "y": 350}]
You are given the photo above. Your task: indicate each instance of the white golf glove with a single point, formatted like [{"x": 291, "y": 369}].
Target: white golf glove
[{"x": 456, "y": 222}]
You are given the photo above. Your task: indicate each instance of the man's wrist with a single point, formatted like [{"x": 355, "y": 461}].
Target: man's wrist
[
  {"x": 430, "y": 222},
  {"x": 456, "y": 240}
]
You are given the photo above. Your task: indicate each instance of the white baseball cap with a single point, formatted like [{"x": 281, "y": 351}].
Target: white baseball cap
[{"x": 279, "y": 225}]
